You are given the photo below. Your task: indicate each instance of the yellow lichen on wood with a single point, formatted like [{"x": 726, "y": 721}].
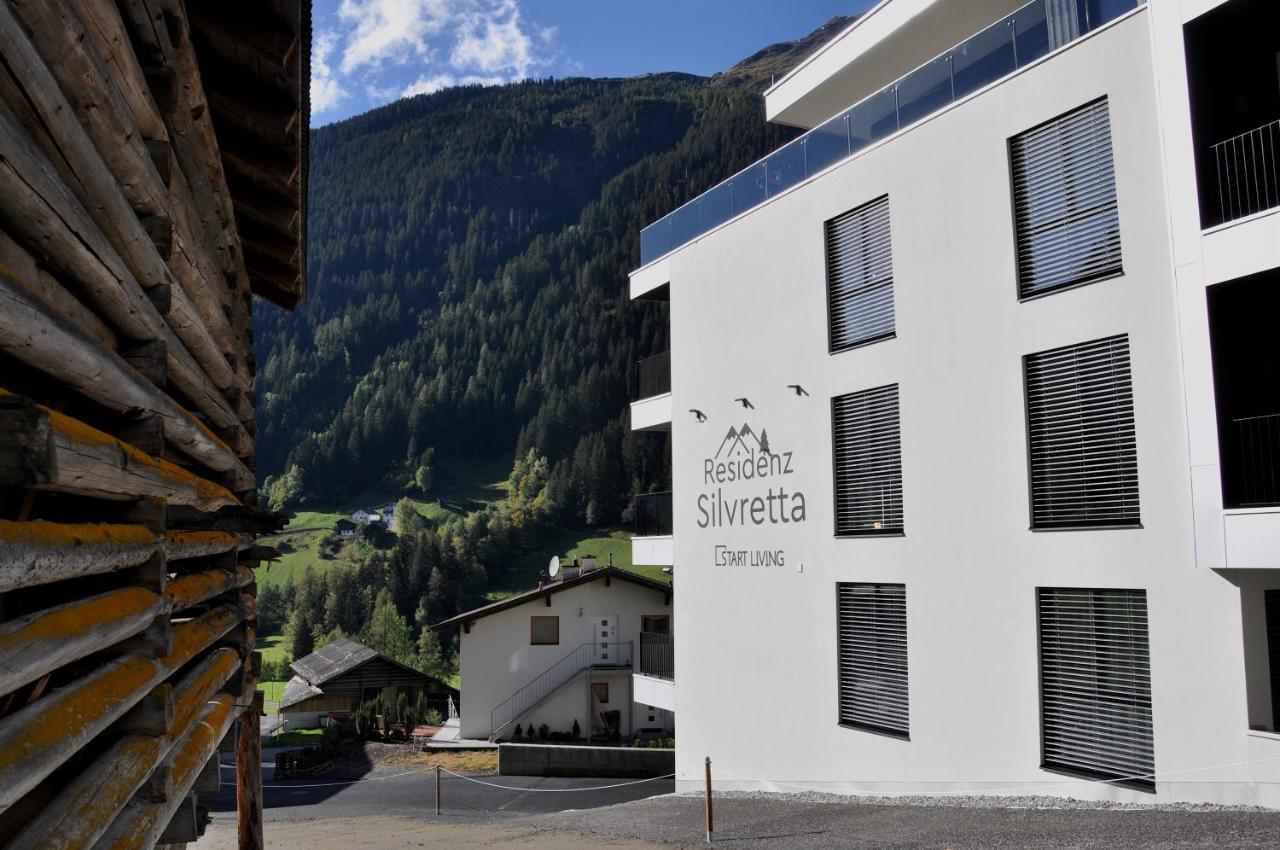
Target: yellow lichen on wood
[
  {"x": 59, "y": 719},
  {"x": 74, "y": 431},
  {"x": 84, "y": 616},
  {"x": 186, "y": 591},
  {"x": 43, "y": 533}
]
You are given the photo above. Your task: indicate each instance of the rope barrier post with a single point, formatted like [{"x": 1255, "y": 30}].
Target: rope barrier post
[
  {"x": 437, "y": 790},
  {"x": 710, "y": 817}
]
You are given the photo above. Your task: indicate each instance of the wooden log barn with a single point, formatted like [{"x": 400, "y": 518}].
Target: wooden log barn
[{"x": 153, "y": 179}]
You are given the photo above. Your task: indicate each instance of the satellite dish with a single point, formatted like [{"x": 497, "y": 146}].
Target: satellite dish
[{"x": 554, "y": 566}]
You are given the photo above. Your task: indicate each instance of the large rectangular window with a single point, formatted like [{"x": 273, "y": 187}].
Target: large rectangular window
[
  {"x": 1064, "y": 198},
  {"x": 872, "y": 621},
  {"x": 860, "y": 275},
  {"x": 1095, "y": 683},
  {"x": 1080, "y": 430},
  {"x": 868, "y": 462}
]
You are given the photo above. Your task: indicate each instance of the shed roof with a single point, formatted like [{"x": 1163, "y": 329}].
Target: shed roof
[
  {"x": 332, "y": 659},
  {"x": 552, "y": 588}
]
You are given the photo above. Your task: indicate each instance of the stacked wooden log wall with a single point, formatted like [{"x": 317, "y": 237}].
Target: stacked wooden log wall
[{"x": 128, "y": 509}]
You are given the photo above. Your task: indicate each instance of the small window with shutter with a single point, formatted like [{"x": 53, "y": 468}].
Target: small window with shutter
[
  {"x": 1095, "y": 683},
  {"x": 868, "y": 462},
  {"x": 860, "y": 276},
  {"x": 872, "y": 620},
  {"x": 1080, "y": 429},
  {"x": 1064, "y": 197}
]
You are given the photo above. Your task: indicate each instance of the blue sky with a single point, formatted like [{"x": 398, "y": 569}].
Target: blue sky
[{"x": 369, "y": 52}]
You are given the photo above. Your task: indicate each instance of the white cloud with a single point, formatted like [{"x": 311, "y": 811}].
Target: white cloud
[
  {"x": 389, "y": 30},
  {"x": 492, "y": 40},
  {"x": 376, "y": 50},
  {"x": 326, "y": 92}
]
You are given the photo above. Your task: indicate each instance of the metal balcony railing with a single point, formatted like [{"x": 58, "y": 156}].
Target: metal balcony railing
[
  {"x": 1031, "y": 32},
  {"x": 1259, "y": 473},
  {"x": 653, "y": 514},
  {"x": 593, "y": 655},
  {"x": 658, "y": 655},
  {"x": 1245, "y": 168},
  {"x": 653, "y": 376}
]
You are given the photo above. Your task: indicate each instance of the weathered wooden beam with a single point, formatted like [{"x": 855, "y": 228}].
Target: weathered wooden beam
[
  {"x": 27, "y": 452},
  {"x": 74, "y": 87},
  {"x": 100, "y": 791},
  {"x": 180, "y": 545},
  {"x": 182, "y": 827},
  {"x": 37, "y": 739},
  {"x": 30, "y": 332},
  {"x": 88, "y": 462},
  {"x": 186, "y": 591},
  {"x": 153, "y": 715},
  {"x": 106, "y": 33},
  {"x": 39, "y": 643},
  {"x": 17, "y": 261},
  {"x": 239, "y": 519},
  {"x": 40, "y": 211},
  {"x": 39, "y": 552},
  {"x": 108, "y": 40},
  {"x": 249, "y": 777},
  {"x": 258, "y": 554},
  {"x": 142, "y": 822},
  {"x": 161, "y": 27}
]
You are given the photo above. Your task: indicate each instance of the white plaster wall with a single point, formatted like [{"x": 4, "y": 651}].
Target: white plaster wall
[
  {"x": 656, "y": 551},
  {"x": 748, "y": 317},
  {"x": 497, "y": 659},
  {"x": 573, "y": 702},
  {"x": 652, "y": 414}
]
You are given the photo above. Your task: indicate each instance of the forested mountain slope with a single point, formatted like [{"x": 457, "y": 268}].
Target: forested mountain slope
[{"x": 469, "y": 253}]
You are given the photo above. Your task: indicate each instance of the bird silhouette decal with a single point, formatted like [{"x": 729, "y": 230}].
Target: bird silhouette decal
[
  {"x": 702, "y": 417},
  {"x": 745, "y": 403},
  {"x": 799, "y": 389}
]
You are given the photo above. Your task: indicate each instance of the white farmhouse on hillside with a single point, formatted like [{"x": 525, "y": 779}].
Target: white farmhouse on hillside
[{"x": 578, "y": 649}]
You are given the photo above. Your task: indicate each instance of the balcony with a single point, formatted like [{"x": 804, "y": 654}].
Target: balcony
[
  {"x": 653, "y": 543},
  {"x": 657, "y": 655},
  {"x": 651, "y": 394},
  {"x": 1244, "y": 172},
  {"x": 1030, "y": 33},
  {"x": 1235, "y": 103},
  {"x": 653, "y": 683},
  {"x": 1246, "y": 360}
]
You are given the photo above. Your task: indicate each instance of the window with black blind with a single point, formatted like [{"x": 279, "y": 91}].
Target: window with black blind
[
  {"x": 873, "y": 656},
  {"x": 868, "y": 462},
  {"x": 1064, "y": 199},
  {"x": 1095, "y": 683},
  {"x": 1082, "y": 446},
  {"x": 860, "y": 275}
]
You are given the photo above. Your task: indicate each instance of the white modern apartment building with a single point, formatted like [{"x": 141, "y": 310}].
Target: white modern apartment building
[{"x": 974, "y": 400}]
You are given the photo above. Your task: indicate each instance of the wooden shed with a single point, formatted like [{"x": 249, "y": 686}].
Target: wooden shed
[
  {"x": 332, "y": 682},
  {"x": 153, "y": 179}
]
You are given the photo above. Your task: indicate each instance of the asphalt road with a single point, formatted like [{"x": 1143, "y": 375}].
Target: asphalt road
[
  {"x": 650, "y": 813},
  {"x": 392, "y": 792}
]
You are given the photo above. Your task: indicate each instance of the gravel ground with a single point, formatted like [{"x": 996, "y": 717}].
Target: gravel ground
[{"x": 760, "y": 820}]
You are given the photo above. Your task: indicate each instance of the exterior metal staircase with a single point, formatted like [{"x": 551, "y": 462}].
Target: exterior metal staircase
[{"x": 594, "y": 655}]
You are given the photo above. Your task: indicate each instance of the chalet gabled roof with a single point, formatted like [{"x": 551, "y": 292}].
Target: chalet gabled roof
[
  {"x": 552, "y": 588},
  {"x": 332, "y": 659}
]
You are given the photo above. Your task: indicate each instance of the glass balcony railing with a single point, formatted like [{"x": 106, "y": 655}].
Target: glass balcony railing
[{"x": 1031, "y": 32}]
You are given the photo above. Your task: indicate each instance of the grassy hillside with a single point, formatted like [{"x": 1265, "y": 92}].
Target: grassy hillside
[{"x": 463, "y": 485}]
